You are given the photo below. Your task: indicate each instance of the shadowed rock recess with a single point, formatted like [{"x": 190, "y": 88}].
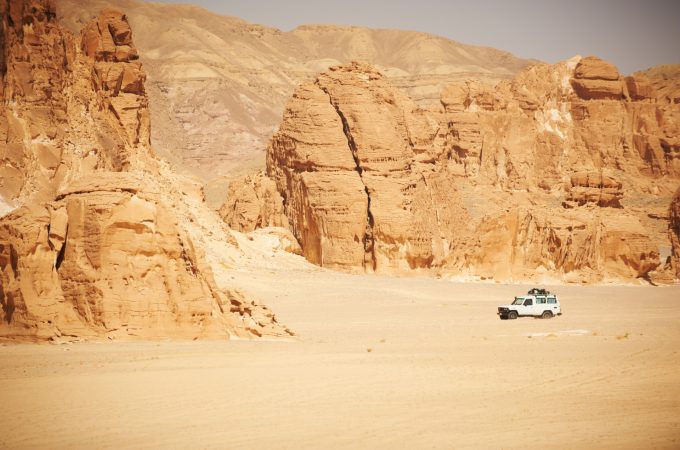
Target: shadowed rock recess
[
  {"x": 563, "y": 173},
  {"x": 674, "y": 233},
  {"x": 92, "y": 242}
]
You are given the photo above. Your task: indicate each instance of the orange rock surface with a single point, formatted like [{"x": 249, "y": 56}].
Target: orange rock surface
[
  {"x": 253, "y": 202},
  {"x": 92, "y": 241},
  {"x": 347, "y": 162},
  {"x": 547, "y": 175},
  {"x": 674, "y": 233}
]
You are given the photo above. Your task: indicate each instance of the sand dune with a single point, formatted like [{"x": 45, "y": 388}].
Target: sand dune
[{"x": 379, "y": 363}]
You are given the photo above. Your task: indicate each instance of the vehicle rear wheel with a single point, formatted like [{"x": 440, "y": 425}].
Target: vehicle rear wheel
[
  {"x": 546, "y": 315},
  {"x": 512, "y": 315}
]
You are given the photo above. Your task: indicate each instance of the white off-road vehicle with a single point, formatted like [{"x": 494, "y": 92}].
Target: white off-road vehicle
[{"x": 537, "y": 303}]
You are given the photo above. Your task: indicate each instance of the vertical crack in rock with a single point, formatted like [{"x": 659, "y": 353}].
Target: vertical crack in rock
[
  {"x": 60, "y": 257},
  {"x": 369, "y": 247},
  {"x": 434, "y": 205}
]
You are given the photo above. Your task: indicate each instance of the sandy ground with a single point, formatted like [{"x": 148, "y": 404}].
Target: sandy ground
[{"x": 379, "y": 363}]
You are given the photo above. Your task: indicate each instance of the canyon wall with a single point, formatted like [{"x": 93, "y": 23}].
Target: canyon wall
[
  {"x": 674, "y": 233},
  {"x": 564, "y": 172},
  {"x": 92, "y": 242}
]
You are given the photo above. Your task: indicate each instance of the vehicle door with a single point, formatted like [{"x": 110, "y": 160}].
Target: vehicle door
[
  {"x": 527, "y": 307},
  {"x": 553, "y": 305},
  {"x": 540, "y": 305}
]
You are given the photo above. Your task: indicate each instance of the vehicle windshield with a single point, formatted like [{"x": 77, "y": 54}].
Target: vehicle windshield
[{"x": 518, "y": 301}]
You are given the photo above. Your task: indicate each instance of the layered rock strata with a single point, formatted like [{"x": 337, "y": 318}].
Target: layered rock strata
[
  {"x": 594, "y": 187},
  {"x": 674, "y": 233},
  {"x": 92, "y": 242},
  {"x": 253, "y": 202},
  {"x": 545, "y": 175},
  {"x": 347, "y": 162}
]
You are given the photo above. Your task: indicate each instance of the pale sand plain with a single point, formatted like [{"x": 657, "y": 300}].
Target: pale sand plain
[{"x": 379, "y": 362}]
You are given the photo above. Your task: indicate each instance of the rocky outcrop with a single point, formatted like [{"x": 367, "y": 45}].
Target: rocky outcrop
[
  {"x": 665, "y": 81},
  {"x": 594, "y": 187},
  {"x": 92, "y": 241},
  {"x": 573, "y": 246},
  {"x": 253, "y": 202},
  {"x": 545, "y": 175},
  {"x": 214, "y": 115},
  {"x": 595, "y": 79},
  {"x": 674, "y": 233},
  {"x": 108, "y": 258},
  {"x": 35, "y": 59},
  {"x": 346, "y": 160},
  {"x": 119, "y": 75}
]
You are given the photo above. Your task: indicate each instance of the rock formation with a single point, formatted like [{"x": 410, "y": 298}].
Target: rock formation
[
  {"x": 92, "y": 242},
  {"x": 595, "y": 79},
  {"x": 594, "y": 187},
  {"x": 544, "y": 175},
  {"x": 253, "y": 202},
  {"x": 348, "y": 164},
  {"x": 674, "y": 233},
  {"x": 218, "y": 85},
  {"x": 119, "y": 75}
]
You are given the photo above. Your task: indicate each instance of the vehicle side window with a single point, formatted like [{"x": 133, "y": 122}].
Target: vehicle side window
[
  {"x": 552, "y": 300},
  {"x": 540, "y": 300},
  {"x": 528, "y": 302}
]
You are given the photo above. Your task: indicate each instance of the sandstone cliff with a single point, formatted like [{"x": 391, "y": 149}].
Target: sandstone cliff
[
  {"x": 674, "y": 233},
  {"x": 555, "y": 174},
  {"x": 92, "y": 241}
]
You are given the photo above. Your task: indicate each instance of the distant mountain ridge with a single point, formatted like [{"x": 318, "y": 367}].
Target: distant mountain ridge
[{"x": 218, "y": 85}]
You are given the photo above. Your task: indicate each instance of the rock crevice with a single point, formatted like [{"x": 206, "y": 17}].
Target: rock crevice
[{"x": 369, "y": 258}]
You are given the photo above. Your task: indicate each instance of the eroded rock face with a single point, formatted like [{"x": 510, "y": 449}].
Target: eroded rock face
[
  {"x": 596, "y": 188},
  {"x": 674, "y": 233},
  {"x": 347, "y": 161},
  {"x": 253, "y": 202},
  {"x": 215, "y": 114},
  {"x": 108, "y": 258},
  {"x": 33, "y": 65},
  {"x": 524, "y": 244},
  {"x": 595, "y": 79},
  {"x": 92, "y": 241},
  {"x": 119, "y": 76},
  {"x": 528, "y": 179}
]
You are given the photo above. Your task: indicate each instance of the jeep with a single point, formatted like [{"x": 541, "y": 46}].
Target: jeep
[{"x": 537, "y": 303}]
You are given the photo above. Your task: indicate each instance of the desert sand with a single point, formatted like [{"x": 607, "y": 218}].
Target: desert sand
[{"x": 378, "y": 362}]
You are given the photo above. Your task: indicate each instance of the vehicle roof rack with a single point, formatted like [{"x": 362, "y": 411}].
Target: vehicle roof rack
[{"x": 538, "y": 291}]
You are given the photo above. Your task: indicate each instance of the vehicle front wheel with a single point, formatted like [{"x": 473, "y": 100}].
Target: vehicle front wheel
[
  {"x": 512, "y": 315},
  {"x": 546, "y": 315}
]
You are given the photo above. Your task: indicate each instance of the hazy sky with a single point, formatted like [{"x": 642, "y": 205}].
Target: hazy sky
[{"x": 632, "y": 34}]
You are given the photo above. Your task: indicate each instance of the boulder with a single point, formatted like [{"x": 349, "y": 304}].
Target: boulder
[
  {"x": 253, "y": 202},
  {"x": 595, "y": 79}
]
